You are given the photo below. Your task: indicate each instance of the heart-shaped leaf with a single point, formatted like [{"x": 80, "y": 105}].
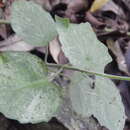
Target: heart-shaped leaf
[
  {"x": 100, "y": 99},
  {"x": 82, "y": 48},
  {"x": 26, "y": 94},
  {"x": 33, "y": 24}
]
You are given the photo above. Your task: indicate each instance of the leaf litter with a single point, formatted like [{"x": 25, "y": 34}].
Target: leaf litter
[{"x": 107, "y": 22}]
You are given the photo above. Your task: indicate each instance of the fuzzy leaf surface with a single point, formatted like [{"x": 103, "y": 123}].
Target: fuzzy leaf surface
[
  {"x": 26, "y": 94},
  {"x": 82, "y": 48},
  {"x": 100, "y": 99},
  {"x": 33, "y": 24}
]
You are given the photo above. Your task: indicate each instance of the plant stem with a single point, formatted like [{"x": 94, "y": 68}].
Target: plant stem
[
  {"x": 126, "y": 78},
  {"x": 52, "y": 77},
  {"x": 61, "y": 74},
  {"x": 2, "y": 21}
]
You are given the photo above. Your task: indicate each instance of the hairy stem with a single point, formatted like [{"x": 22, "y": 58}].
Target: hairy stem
[{"x": 126, "y": 78}]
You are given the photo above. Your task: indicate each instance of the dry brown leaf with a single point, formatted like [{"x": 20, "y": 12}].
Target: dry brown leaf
[
  {"x": 56, "y": 52},
  {"x": 116, "y": 50},
  {"x": 113, "y": 7},
  {"x": 55, "y": 48},
  {"x": 97, "y": 4},
  {"x": 14, "y": 43}
]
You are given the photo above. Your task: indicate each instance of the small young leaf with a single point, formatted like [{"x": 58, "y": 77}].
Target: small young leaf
[
  {"x": 33, "y": 24},
  {"x": 82, "y": 48},
  {"x": 63, "y": 21},
  {"x": 100, "y": 99},
  {"x": 26, "y": 94}
]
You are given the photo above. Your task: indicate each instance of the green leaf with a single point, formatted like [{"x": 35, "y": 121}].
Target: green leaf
[
  {"x": 63, "y": 21},
  {"x": 26, "y": 94},
  {"x": 33, "y": 24},
  {"x": 82, "y": 48},
  {"x": 101, "y": 100}
]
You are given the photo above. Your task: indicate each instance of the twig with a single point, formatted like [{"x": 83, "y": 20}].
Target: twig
[{"x": 3, "y": 21}]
